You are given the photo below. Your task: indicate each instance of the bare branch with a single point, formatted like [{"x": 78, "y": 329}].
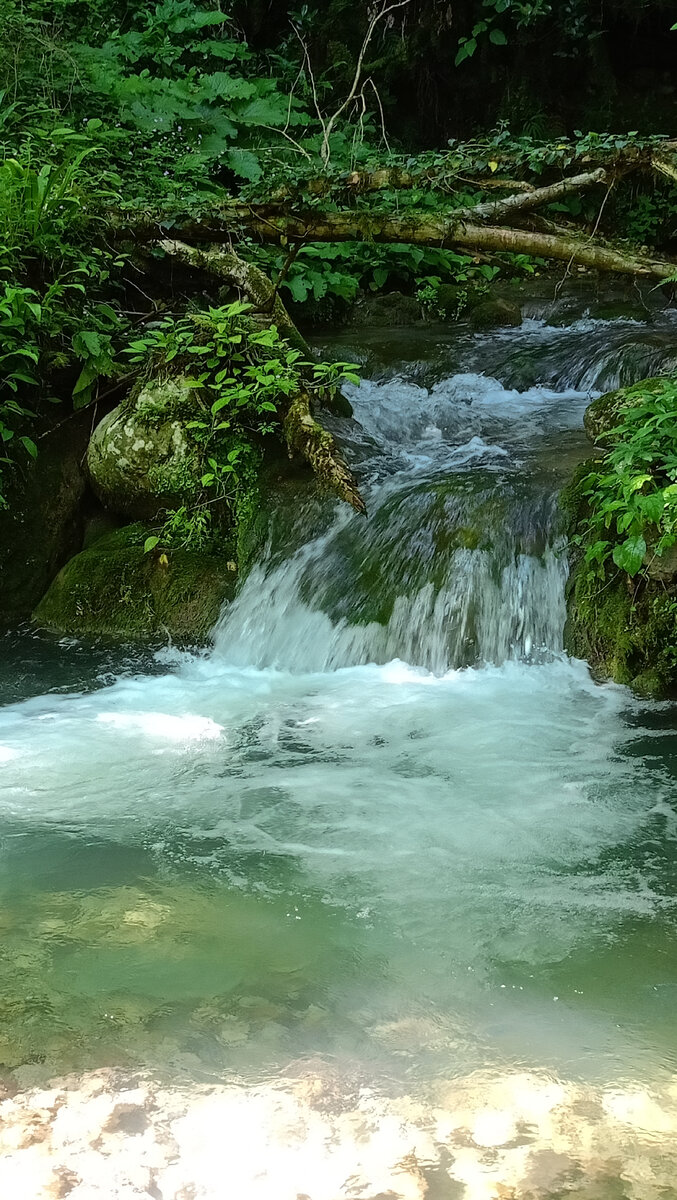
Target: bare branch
[{"x": 328, "y": 126}]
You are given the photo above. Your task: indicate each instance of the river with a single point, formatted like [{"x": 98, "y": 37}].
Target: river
[{"x": 376, "y": 896}]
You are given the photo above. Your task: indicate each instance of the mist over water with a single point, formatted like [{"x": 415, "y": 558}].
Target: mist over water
[{"x": 384, "y": 831}]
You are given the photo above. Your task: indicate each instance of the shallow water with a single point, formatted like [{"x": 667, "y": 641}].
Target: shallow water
[{"x": 384, "y": 842}]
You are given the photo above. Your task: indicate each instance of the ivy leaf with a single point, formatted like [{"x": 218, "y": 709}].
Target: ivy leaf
[{"x": 629, "y": 556}]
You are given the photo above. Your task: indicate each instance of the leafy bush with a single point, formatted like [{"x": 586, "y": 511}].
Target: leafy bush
[
  {"x": 244, "y": 377},
  {"x": 632, "y": 496}
]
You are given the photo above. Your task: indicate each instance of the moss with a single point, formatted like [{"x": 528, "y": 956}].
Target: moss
[
  {"x": 115, "y": 588},
  {"x": 491, "y": 314},
  {"x": 174, "y": 479},
  {"x": 626, "y": 631}
]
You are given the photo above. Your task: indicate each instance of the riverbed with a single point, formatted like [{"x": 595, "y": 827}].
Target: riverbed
[{"x": 376, "y": 895}]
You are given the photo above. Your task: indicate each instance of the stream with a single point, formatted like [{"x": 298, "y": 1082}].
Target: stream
[{"x": 375, "y": 897}]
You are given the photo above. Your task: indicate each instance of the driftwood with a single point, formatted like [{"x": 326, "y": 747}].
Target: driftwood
[
  {"x": 302, "y": 432},
  {"x": 226, "y": 265}
]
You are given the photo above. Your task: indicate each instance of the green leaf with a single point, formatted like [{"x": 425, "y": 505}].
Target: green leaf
[
  {"x": 466, "y": 50},
  {"x": 629, "y": 555},
  {"x": 498, "y": 37},
  {"x": 652, "y": 506},
  {"x": 245, "y": 164},
  {"x": 150, "y": 544},
  {"x": 30, "y": 446}
]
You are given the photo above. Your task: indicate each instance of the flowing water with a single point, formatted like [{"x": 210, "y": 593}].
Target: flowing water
[{"x": 376, "y": 897}]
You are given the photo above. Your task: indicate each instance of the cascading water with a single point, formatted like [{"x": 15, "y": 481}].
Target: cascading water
[{"x": 376, "y": 897}]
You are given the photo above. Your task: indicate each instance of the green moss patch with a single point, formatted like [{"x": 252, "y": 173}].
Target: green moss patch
[{"x": 115, "y": 588}]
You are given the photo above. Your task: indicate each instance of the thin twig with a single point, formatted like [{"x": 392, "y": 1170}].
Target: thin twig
[{"x": 328, "y": 126}]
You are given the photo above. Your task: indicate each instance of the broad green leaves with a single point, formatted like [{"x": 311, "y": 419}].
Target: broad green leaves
[
  {"x": 629, "y": 555},
  {"x": 243, "y": 379},
  {"x": 633, "y": 495}
]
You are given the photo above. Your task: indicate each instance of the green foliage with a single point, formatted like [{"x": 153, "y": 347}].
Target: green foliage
[
  {"x": 59, "y": 322},
  {"x": 646, "y": 215},
  {"x": 245, "y": 378},
  {"x": 632, "y": 495}
]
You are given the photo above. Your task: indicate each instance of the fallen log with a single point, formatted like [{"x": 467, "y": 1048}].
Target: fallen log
[
  {"x": 501, "y": 210},
  {"x": 442, "y": 230}
]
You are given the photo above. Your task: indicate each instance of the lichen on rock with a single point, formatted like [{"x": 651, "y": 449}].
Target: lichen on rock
[{"x": 141, "y": 458}]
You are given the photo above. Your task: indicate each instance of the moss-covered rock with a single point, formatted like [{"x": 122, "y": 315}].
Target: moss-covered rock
[
  {"x": 491, "y": 314},
  {"x": 141, "y": 457},
  {"x": 625, "y": 627},
  {"x": 627, "y": 631},
  {"x": 115, "y": 588},
  {"x": 602, "y": 416}
]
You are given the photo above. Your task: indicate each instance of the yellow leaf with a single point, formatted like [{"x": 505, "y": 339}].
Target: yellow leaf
[
  {"x": 493, "y": 166},
  {"x": 163, "y": 560}
]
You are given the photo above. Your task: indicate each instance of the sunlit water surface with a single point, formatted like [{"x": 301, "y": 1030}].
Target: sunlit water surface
[{"x": 384, "y": 838}]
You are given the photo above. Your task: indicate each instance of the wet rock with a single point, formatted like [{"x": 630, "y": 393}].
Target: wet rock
[
  {"x": 114, "y": 588},
  {"x": 141, "y": 458},
  {"x": 392, "y": 308},
  {"x": 492, "y": 314},
  {"x": 620, "y": 310}
]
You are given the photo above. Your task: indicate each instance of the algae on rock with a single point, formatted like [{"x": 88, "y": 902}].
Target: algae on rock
[
  {"x": 114, "y": 588},
  {"x": 626, "y": 627}
]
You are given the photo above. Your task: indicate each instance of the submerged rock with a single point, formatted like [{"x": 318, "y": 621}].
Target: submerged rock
[
  {"x": 115, "y": 588},
  {"x": 141, "y": 457}
]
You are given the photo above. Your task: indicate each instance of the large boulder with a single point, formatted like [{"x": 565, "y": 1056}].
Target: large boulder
[
  {"x": 116, "y": 588},
  {"x": 141, "y": 459}
]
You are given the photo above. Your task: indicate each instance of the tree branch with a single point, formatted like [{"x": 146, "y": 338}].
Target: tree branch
[
  {"x": 423, "y": 229},
  {"x": 302, "y": 432}
]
